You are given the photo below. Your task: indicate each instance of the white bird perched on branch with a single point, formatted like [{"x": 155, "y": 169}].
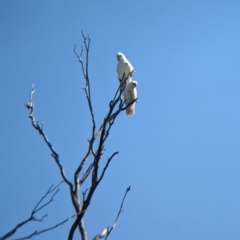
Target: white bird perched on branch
[
  {"x": 129, "y": 95},
  {"x": 124, "y": 68}
]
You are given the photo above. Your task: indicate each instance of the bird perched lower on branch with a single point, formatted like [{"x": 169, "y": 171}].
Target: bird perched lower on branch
[{"x": 129, "y": 95}]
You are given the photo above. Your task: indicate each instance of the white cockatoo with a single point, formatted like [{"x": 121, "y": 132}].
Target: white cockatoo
[
  {"x": 129, "y": 95},
  {"x": 124, "y": 66}
]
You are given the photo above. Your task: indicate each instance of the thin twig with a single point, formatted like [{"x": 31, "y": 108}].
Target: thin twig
[
  {"x": 51, "y": 189},
  {"x": 54, "y": 154},
  {"x": 85, "y": 175},
  {"x": 106, "y": 166},
  {"x": 37, "y": 208},
  {"x": 87, "y": 90},
  {"x": 35, "y": 233},
  {"x": 106, "y": 231},
  {"x": 119, "y": 212}
]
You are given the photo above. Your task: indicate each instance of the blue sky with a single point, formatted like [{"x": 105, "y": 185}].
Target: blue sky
[{"x": 180, "y": 152}]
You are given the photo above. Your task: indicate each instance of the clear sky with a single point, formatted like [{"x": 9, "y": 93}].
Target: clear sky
[{"x": 180, "y": 152}]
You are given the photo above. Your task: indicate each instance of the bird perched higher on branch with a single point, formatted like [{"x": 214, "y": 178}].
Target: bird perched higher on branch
[{"x": 124, "y": 68}]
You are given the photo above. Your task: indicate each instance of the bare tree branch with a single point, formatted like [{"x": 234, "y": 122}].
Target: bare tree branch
[
  {"x": 86, "y": 202},
  {"x": 50, "y": 190},
  {"x": 119, "y": 212},
  {"x": 87, "y": 89},
  {"x": 85, "y": 175},
  {"x": 36, "y": 209},
  {"x": 106, "y": 166},
  {"x": 83, "y": 231},
  {"x": 106, "y": 231},
  {"x": 35, "y": 233},
  {"x": 54, "y": 154}
]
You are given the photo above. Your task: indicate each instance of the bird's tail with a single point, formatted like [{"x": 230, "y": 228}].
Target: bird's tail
[{"x": 130, "y": 110}]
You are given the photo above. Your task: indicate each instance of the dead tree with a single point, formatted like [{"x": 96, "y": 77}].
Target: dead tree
[{"x": 93, "y": 158}]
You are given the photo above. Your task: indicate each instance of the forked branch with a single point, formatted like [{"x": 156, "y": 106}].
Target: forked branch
[
  {"x": 52, "y": 191},
  {"x": 35, "y": 233}
]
